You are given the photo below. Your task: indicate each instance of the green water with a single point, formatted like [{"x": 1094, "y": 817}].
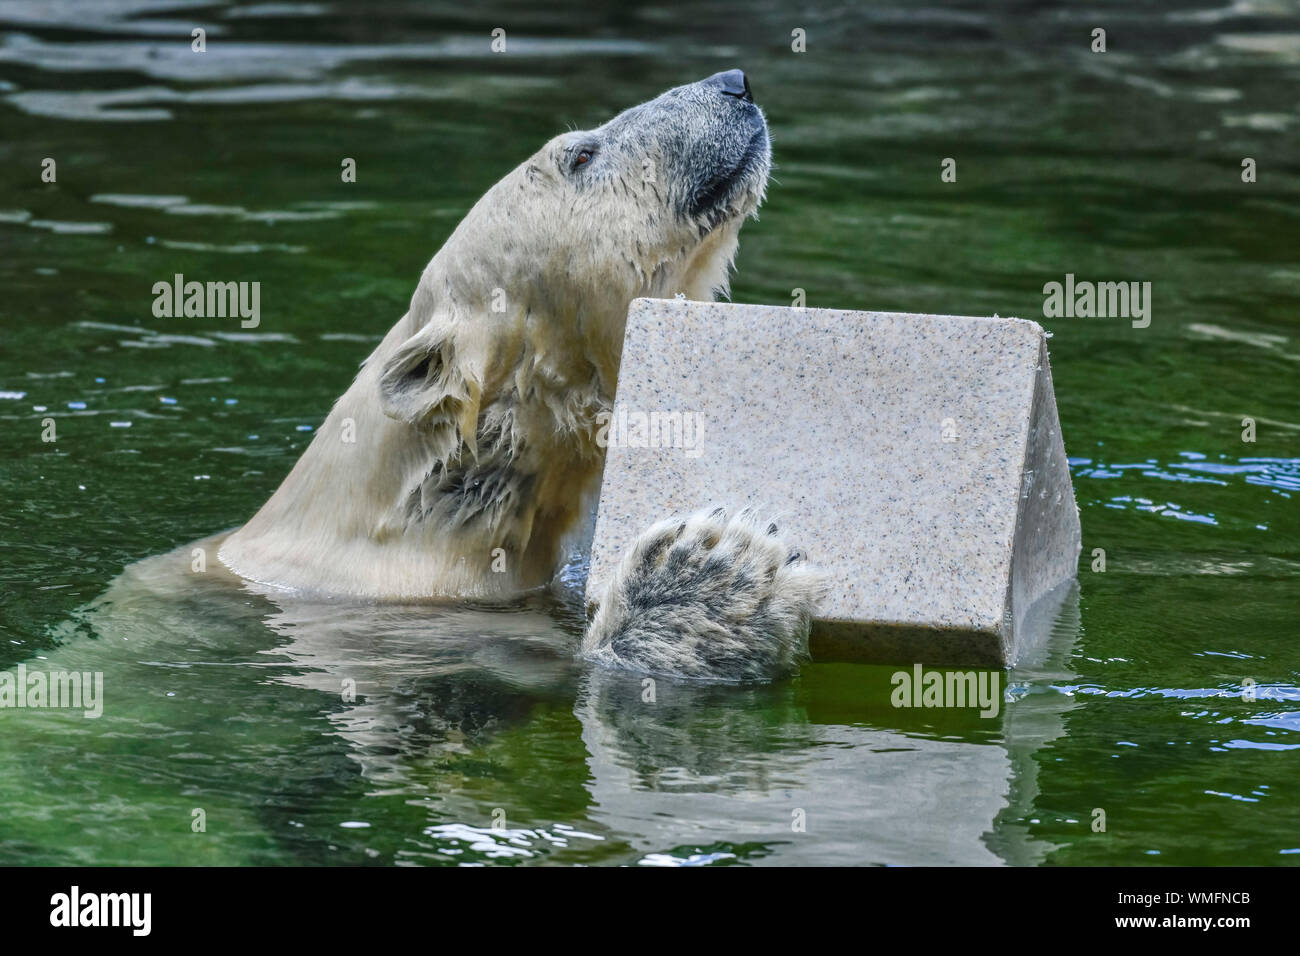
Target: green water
[{"x": 225, "y": 166}]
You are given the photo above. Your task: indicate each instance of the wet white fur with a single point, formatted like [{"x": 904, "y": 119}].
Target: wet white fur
[
  {"x": 508, "y": 353},
  {"x": 707, "y": 596}
]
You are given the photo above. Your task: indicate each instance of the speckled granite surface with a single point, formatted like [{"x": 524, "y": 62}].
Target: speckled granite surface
[{"x": 917, "y": 458}]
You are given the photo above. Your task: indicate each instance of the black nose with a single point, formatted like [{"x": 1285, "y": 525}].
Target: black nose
[{"x": 732, "y": 83}]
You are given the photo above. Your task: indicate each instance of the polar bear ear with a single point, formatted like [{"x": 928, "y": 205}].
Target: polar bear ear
[{"x": 421, "y": 384}]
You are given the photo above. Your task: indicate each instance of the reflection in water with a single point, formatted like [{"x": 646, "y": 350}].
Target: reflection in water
[
  {"x": 696, "y": 769},
  {"x": 452, "y": 734},
  {"x": 780, "y": 770}
]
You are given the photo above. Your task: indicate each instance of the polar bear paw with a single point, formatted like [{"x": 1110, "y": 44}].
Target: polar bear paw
[{"x": 708, "y": 596}]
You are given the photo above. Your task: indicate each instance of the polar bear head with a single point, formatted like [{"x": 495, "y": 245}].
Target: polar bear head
[
  {"x": 634, "y": 203},
  {"x": 649, "y": 204}
]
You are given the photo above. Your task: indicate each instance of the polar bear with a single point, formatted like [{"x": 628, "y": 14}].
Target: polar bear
[{"x": 464, "y": 456}]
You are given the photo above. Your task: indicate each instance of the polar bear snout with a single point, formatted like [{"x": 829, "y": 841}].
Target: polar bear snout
[
  {"x": 731, "y": 181},
  {"x": 703, "y": 146}
]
